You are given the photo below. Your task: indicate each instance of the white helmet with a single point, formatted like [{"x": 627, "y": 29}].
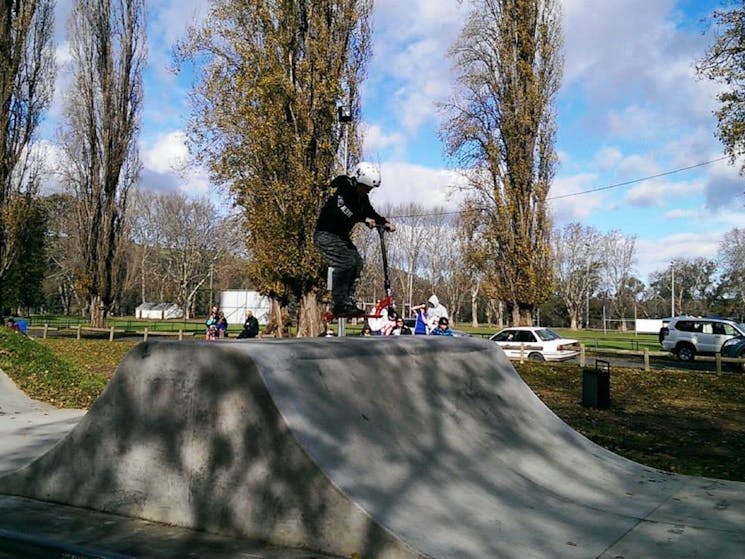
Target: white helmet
[{"x": 367, "y": 174}]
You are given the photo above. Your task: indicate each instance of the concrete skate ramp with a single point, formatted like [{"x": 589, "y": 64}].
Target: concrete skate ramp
[{"x": 390, "y": 448}]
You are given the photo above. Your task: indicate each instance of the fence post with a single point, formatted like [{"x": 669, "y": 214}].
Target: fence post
[
  {"x": 646, "y": 359},
  {"x": 111, "y": 334},
  {"x": 78, "y": 327},
  {"x": 718, "y": 361},
  {"x": 180, "y": 334},
  {"x": 144, "y": 339},
  {"x": 46, "y": 329},
  {"x": 522, "y": 353},
  {"x": 582, "y": 356}
]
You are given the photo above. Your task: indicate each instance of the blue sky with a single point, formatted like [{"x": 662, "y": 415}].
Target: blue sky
[{"x": 630, "y": 107}]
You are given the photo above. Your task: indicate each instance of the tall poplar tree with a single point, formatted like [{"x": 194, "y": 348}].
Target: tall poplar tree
[
  {"x": 500, "y": 129},
  {"x": 26, "y": 86},
  {"x": 265, "y": 123},
  {"x": 107, "y": 41},
  {"x": 724, "y": 62}
]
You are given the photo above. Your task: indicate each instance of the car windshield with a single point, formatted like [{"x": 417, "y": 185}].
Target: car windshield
[{"x": 546, "y": 334}]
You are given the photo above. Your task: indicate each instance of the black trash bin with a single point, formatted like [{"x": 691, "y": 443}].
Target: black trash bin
[{"x": 596, "y": 386}]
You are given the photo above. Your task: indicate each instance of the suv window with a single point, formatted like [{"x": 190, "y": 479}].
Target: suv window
[
  {"x": 685, "y": 326},
  {"x": 722, "y": 328}
]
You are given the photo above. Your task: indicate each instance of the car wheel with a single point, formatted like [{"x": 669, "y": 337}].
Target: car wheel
[
  {"x": 536, "y": 357},
  {"x": 686, "y": 352}
]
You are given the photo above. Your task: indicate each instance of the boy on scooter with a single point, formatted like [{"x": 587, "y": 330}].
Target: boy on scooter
[{"x": 348, "y": 205}]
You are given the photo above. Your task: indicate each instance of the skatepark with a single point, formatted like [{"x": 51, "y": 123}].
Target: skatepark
[{"x": 405, "y": 447}]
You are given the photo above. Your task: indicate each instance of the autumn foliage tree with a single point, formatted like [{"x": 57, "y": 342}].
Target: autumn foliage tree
[
  {"x": 26, "y": 83},
  {"x": 724, "y": 62},
  {"x": 265, "y": 123},
  {"x": 500, "y": 128}
]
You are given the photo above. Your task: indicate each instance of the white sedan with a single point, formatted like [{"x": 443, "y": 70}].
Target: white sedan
[{"x": 535, "y": 343}]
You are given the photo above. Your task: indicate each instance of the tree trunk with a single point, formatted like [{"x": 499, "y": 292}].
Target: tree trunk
[
  {"x": 574, "y": 321},
  {"x": 475, "y": 306},
  {"x": 310, "y": 317},
  {"x": 275, "y": 324},
  {"x": 98, "y": 311},
  {"x": 522, "y": 316}
]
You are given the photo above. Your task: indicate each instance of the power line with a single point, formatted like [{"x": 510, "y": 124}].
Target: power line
[
  {"x": 634, "y": 181},
  {"x": 590, "y": 191}
]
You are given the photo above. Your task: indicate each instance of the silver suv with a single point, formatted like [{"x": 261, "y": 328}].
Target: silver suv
[{"x": 689, "y": 335}]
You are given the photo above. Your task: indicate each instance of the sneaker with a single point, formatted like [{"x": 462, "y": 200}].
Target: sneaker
[{"x": 347, "y": 309}]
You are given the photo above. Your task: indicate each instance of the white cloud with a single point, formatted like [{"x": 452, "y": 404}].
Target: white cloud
[
  {"x": 377, "y": 140},
  {"x": 661, "y": 193},
  {"x": 170, "y": 18},
  {"x": 166, "y": 166},
  {"x": 567, "y": 204},
  {"x": 406, "y": 183},
  {"x": 656, "y": 254},
  {"x": 410, "y": 48},
  {"x": 681, "y": 214},
  {"x": 608, "y": 157},
  {"x": 169, "y": 153}
]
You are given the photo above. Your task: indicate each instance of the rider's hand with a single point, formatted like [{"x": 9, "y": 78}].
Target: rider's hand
[
  {"x": 390, "y": 227},
  {"x": 370, "y": 222}
]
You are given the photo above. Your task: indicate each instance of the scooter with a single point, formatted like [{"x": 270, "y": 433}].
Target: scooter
[{"x": 387, "y": 302}]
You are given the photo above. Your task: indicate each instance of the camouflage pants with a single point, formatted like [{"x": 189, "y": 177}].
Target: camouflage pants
[{"x": 342, "y": 255}]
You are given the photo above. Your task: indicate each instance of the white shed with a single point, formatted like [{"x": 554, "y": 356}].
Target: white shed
[
  {"x": 234, "y": 303},
  {"x": 159, "y": 311}
]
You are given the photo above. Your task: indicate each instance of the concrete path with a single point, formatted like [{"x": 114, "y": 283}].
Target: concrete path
[
  {"x": 385, "y": 448},
  {"x": 28, "y": 428}
]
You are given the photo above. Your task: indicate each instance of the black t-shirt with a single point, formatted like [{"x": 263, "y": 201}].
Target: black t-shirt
[{"x": 346, "y": 207}]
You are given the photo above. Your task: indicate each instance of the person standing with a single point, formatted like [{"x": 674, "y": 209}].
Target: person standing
[
  {"x": 347, "y": 206},
  {"x": 421, "y": 327},
  {"x": 435, "y": 312}
]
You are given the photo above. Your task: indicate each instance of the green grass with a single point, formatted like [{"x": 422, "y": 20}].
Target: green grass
[
  {"x": 48, "y": 375},
  {"x": 680, "y": 421}
]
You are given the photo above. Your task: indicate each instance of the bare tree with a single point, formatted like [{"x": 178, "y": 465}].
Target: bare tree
[
  {"x": 618, "y": 260},
  {"x": 577, "y": 254},
  {"x": 194, "y": 240},
  {"x": 501, "y": 129},
  {"x": 62, "y": 283},
  {"x": 181, "y": 246},
  {"x": 731, "y": 257},
  {"x": 409, "y": 248},
  {"x": 147, "y": 235},
  {"x": 26, "y": 82},
  {"x": 107, "y": 41}
]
